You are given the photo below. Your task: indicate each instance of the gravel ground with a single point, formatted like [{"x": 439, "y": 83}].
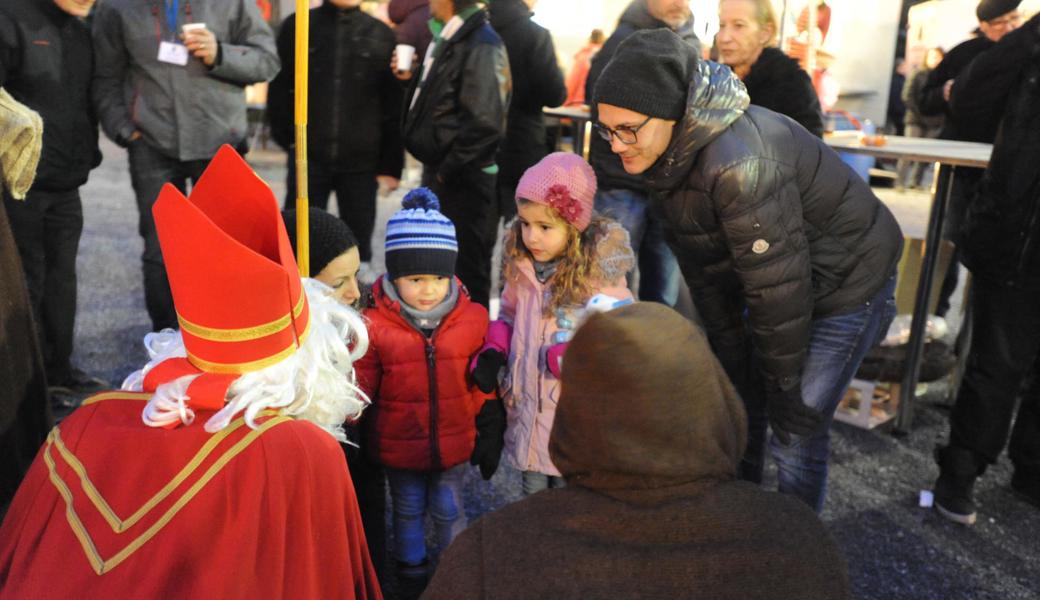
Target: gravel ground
[{"x": 894, "y": 549}]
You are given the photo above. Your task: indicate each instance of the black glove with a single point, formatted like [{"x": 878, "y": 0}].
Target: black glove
[
  {"x": 789, "y": 415},
  {"x": 491, "y": 430},
  {"x": 485, "y": 373}
]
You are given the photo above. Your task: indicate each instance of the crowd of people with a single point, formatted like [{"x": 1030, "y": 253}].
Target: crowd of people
[{"x": 276, "y": 414}]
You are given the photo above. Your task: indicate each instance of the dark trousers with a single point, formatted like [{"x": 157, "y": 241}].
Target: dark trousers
[
  {"x": 469, "y": 200},
  {"x": 355, "y": 195},
  {"x": 370, "y": 487},
  {"x": 1003, "y": 367},
  {"x": 47, "y": 227},
  {"x": 965, "y": 184},
  {"x": 150, "y": 170}
]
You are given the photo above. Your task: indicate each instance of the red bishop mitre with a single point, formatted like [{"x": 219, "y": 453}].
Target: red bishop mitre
[{"x": 235, "y": 283}]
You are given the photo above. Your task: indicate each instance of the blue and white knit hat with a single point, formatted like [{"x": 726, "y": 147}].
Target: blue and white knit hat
[{"x": 419, "y": 239}]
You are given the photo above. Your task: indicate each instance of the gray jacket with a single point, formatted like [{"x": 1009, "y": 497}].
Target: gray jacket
[{"x": 186, "y": 112}]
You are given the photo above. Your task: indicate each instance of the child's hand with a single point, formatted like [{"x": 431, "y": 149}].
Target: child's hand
[{"x": 486, "y": 368}]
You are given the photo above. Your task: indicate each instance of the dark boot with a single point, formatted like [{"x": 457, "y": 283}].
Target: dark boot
[
  {"x": 412, "y": 580},
  {"x": 1026, "y": 485},
  {"x": 958, "y": 469}
]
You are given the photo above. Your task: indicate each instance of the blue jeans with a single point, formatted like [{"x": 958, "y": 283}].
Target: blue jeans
[
  {"x": 658, "y": 269},
  {"x": 412, "y": 493},
  {"x": 837, "y": 346}
]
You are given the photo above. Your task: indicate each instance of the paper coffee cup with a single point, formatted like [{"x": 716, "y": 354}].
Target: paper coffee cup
[
  {"x": 405, "y": 55},
  {"x": 189, "y": 27}
]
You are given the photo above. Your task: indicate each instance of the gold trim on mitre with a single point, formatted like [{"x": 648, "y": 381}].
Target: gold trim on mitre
[
  {"x": 243, "y": 334},
  {"x": 248, "y": 367}
]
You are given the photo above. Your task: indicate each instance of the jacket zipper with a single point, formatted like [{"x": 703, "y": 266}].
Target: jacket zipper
[{"x": 431, "y": 369}]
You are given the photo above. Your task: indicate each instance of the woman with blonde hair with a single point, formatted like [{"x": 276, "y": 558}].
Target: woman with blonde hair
[{"x": 746, "y": 42}]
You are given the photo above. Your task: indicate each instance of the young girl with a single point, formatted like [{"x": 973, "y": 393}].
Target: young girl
[{"x": 557, "y": 255}]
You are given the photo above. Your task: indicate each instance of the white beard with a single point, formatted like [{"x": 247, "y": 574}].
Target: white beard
[{"x": 316, "y": 383}]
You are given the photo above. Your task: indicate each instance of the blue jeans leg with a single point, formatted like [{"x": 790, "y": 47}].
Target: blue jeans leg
[
  {"x": 837, "y": 346},
  {"x": 534, "y": 482},
  {"x": 412, "y": 493}
]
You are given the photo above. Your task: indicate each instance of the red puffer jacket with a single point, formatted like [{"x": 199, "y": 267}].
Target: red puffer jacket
[{"x": 423, "y": 404}]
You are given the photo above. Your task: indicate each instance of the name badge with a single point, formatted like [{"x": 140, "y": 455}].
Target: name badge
[{"x": 175, "y": 54}]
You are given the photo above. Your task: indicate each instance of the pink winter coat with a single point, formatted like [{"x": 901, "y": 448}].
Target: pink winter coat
[{"x": 531, "y": 391}]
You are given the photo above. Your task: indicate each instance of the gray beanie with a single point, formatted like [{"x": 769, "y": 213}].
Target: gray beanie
[
  {"x": 991, "y": 9},
  {"x": 649, "y": 74}
]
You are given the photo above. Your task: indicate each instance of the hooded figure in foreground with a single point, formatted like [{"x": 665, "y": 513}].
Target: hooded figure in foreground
[{"x": 648, "y": 434}]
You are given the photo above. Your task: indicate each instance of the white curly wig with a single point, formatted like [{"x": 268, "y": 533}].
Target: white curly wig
[{"x": 315, "y": 383}]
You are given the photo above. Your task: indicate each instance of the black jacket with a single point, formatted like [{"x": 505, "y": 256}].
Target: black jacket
[
  {"x": 610, "y": 174},
  {"x": 537, "y": 82},
  {"x": 459, "y": 118},
  {"x": 46, "y": 63},
  {"x": 777, "y": 82},
  {"x": 930, "y": 100},
  {"x": 1000, "y": 236},
  {"x": 765, "y": 218},
  {"x": 354, "y": 101}
]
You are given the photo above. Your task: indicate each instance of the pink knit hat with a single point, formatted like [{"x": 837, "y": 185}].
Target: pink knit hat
[{"x": 564, "y": 181}]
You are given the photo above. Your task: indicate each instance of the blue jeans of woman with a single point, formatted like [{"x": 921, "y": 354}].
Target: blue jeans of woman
[
  {"x": 415, "y": 492},
  {"x": 837, "y": 346}
]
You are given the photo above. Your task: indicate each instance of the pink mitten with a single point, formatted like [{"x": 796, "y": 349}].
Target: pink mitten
[
  {"x": 554, "y": 358},
  {"x": 499, "y": 337}
]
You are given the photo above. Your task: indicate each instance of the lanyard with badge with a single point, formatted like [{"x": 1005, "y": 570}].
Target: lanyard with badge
[{"x": 173, "y": 51}]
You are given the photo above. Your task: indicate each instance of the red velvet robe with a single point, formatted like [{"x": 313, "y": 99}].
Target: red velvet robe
[{"x": 112, "y": 508}]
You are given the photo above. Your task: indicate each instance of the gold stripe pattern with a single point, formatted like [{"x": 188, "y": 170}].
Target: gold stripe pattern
[
  {"x": 244, "y": 334},
  {"x": 102, "y": 565},
  {"x": 137, "y": 396},
  {"x": 256, "y": 365}
]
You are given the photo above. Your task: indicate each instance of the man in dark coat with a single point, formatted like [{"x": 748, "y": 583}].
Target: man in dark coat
[
  {"x": 1000, "y": 241},
  {"x": 354, "y": 110},
  {"x": 46, "y": 63},
  {"x": 623, "y": 196},
  {"x": 537, "y": 82},
  {"x": 410, "y": 19},
  {"x": 24, "y": 411},
  {"x": 996, "y": 18},
  {"x": 652, "y": 507},
  {"x": 789, "y": 256},
  {"x": 454, "y": 124}
]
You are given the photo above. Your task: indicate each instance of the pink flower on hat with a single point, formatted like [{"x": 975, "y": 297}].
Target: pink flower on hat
[
  {"x": 564, "y": 182},
  {"x": 559, "y": 197}
]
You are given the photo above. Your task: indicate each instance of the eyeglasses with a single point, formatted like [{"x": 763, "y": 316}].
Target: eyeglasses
[
  {"x": 625, "y": 135},
  {"x": 1012, "y": 20}
]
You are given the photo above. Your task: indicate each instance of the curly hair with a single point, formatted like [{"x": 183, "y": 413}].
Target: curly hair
[{"x": 579, "y": 268}]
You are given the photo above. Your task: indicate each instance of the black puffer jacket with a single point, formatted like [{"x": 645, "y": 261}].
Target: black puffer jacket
[
  {"x": 537, "y": 82},
  {"x": 354, "y": 101},
  {"x": 459, "y": 118},
  {"x": 777, "y": 82},
  {"x": 609, "y": 172},
  {"x": 1000, "y": 236},
  {"x": 764, "y": 218},
  {"x": 46, "y": 63}
]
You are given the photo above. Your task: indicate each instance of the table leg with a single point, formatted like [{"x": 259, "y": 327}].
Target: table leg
[{"x": 933, "y": 239}]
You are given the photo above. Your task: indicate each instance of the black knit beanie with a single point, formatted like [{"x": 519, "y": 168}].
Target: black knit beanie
[
  {"x": 991, "y": 9},
  {"x": 330, "y": 237},
  {"x": 649, "y": 74}
]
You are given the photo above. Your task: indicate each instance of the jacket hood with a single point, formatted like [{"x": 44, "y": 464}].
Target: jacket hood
[
  {"x": 715, "y": 100},
  {"x": 398, "y": 10},
  {"x": 645, "y": 405},
  {"x": 506, "y": 12}
]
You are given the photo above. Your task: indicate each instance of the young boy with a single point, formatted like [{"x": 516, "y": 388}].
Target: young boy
[{"x": 423, "y": 331}]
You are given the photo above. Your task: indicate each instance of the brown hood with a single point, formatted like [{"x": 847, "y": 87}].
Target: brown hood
[{"x": 645, "y": 404}]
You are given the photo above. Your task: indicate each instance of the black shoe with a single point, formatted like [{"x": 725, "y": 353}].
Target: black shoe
[
  {"x": 79, "y": 383},
  {"x": 1026, "y": 486},
  {"x": 958, "y": 470},
  {"x": 412, "y": 580}
]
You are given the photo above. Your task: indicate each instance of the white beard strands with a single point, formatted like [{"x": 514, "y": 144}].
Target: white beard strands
[{"x": 316, "y": 383}]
